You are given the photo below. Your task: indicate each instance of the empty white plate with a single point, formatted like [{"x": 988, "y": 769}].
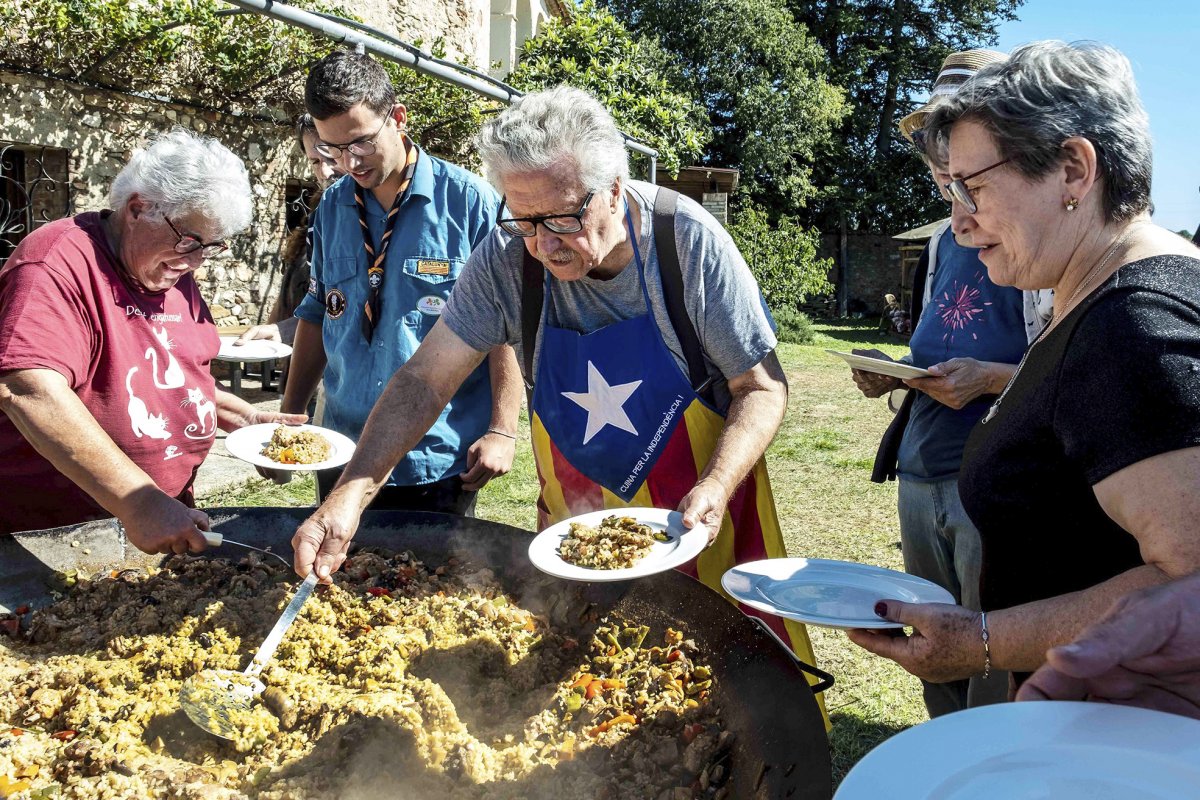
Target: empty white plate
[
  {"x": 1035, "y": 751},
  {"x": 681, "y": 546},
  {"x": 247, "y": 444},
  {"x": 253, "y": 350},
  {"x": 882, "y": 366},
  {"x": 834, "y": 594}
]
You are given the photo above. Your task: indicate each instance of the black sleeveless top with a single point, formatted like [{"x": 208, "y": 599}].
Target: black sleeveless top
[{"x": 1117, "y": 382}]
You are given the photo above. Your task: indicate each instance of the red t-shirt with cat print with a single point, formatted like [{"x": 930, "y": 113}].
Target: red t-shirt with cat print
[{"x": 139, "y": 362}]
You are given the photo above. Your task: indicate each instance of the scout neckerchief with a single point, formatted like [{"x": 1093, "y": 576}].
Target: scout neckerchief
[{"x": 376, "y": 261}]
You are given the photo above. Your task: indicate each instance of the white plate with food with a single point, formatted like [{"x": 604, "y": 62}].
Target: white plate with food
[
  {"x": 253, "y": 350},
  {"x": 294, "y": 447},
  {"x": 1035, "y": 750},
  {"x": 882, "y": 366},
  {"x": 832, "y": 594},
  {"x": 642, "y": 541}
]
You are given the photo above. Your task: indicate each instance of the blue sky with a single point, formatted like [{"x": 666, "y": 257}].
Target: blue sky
[{"x": 1161, "y": 38}]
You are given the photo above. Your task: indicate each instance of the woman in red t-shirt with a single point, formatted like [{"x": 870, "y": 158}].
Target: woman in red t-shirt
[{"x": 105, "y": 343}]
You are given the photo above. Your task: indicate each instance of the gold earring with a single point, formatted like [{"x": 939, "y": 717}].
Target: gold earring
[{"x": 1073, "y": 204}]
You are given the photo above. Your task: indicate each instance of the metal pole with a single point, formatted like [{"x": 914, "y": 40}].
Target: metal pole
[{"x": 313, "y": 23}]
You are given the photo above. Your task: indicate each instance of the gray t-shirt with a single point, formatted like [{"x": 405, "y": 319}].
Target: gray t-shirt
[{"x": 721, "y": 296}]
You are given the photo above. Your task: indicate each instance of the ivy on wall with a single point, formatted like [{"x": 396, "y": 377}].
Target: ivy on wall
[{"x": 206, "y": 53}]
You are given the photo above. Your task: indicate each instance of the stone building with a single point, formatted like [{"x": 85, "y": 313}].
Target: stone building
[{"x": 62, "y": 141}]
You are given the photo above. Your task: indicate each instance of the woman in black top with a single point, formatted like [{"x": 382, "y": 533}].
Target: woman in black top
[{"x": 1084, "y": 477}]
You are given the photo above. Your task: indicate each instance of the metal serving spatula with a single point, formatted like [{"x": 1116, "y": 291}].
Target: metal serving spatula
[{"x": 212, "y": 698}]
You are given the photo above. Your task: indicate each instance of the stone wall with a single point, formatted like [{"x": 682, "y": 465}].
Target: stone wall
[
  {"x": 461, "y": 23},
  {"x": 99, "y": 129}
]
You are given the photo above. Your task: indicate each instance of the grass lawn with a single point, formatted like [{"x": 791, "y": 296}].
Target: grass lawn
[{"x": 820, "y": 465}]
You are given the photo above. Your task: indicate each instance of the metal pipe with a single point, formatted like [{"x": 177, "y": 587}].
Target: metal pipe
[{"x": 492, "y": 89}]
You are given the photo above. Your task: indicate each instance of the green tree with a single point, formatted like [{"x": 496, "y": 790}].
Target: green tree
[
  {"x": 886, "y": 53},
  {"x": 763, "y": 81},
  {"x": 782, "y": 255},
  {"x": 592, "y": 50}
]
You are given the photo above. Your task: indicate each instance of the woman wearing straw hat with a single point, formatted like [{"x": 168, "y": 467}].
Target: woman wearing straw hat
[
  {"x": 970, "y": 333},
  {"x": 1083, "y": 478}
]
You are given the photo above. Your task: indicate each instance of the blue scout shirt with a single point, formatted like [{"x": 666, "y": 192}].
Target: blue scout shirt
[
  {"x": 967, "y": 316},
  {"x": 447, "y": 212}
]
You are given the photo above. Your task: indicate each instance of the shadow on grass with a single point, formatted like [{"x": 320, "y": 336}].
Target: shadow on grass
[
  {"x": 861, "y": 334},
  {"x": 852, "y": 737}
]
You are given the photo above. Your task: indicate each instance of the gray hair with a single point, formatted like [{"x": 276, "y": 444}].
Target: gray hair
[
  {"x": 179, "y": 173},
  {"x": 542, "y": 128},
  {"x": 1048, "y": 92}
]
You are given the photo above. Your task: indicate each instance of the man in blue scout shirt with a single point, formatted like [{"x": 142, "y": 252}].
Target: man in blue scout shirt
[{"x": 389, "y": 241}]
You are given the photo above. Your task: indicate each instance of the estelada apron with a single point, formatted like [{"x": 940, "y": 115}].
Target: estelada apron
[{"x": 617, "y": 423}]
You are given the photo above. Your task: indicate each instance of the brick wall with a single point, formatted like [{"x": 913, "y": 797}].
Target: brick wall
[{"x": 874, "y": 269}]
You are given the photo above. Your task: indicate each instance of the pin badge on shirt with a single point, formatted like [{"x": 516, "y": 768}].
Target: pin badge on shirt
[
  {"x": 431, "y": 305},
  {"x": 335, "y": 303}
]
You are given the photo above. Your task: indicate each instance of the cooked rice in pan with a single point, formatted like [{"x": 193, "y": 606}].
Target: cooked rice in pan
[{"x": 402, "y": 680}]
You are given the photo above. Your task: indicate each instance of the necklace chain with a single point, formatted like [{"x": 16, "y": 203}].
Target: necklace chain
[{"x": 1067, "y": 308}]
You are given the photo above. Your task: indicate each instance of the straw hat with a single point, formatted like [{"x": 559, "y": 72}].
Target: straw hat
[{"x": 955, "y": 71}]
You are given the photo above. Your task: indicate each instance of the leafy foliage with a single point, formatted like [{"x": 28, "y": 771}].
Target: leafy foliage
[
  {"x": 782, "y": 256},
  {"x": 763, "y": 81},
  {"x": 442, "y": 117},
  {"x": 199, "y": 51},
  {"x": 192, "y": 50},
  {"x": 593, "y": 51},
  {"x": 793, "y": 327},
  {"x": 886, "y": 53}
]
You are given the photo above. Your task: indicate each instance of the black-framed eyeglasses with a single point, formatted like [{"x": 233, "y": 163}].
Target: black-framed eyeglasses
[
  {"x": 359, "y": 147},
  {"x": 555, "y": 223},
  {"x": 961, "y": 194},
  {"x": 186, "y": 243}
]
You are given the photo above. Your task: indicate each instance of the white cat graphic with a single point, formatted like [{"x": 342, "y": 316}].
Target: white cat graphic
[
  {"x": 172, "y": 377},
  {"x": 206, "y": 414},
  {"x": 143, "y": 422}
]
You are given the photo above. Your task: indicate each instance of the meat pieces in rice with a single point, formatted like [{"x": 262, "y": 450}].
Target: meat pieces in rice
[
  {"x": 617, "y": 543},
  {"x": 290, "y": 445}
]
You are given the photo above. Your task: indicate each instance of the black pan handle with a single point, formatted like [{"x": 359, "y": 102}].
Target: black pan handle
[{"x": 825, "y": 680}]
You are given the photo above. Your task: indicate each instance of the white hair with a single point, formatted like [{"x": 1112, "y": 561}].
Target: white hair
[
  {"x": 179, "y": 173},
  {"x": 543, "y": 128}
]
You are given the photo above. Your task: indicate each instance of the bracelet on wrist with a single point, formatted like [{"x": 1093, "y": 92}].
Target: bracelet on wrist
[
  {"x": 987, "y": 650},
  {"x": 502, "y": 433}
]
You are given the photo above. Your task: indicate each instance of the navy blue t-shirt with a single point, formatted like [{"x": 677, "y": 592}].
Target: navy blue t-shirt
[{"x": 967, "y": 316}]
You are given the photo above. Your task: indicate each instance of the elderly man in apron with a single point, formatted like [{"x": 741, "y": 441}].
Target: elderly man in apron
[{"x": 646, "y": 347}]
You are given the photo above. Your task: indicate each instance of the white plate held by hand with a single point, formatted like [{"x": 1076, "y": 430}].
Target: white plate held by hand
[
  {"x": 833, "y": 594},
  {"x": 881, "y": 366},
  {"x": 1035, "y": 751},
  {"x": 253, "y": 350},
  {"x": 681, "y": 546},
  {"x": 247, "y": 444}
]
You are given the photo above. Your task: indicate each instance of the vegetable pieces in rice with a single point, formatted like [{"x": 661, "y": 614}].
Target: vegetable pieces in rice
[
  {"x": 290, "y": 445},
  {"x": 618, "y": 543}
]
